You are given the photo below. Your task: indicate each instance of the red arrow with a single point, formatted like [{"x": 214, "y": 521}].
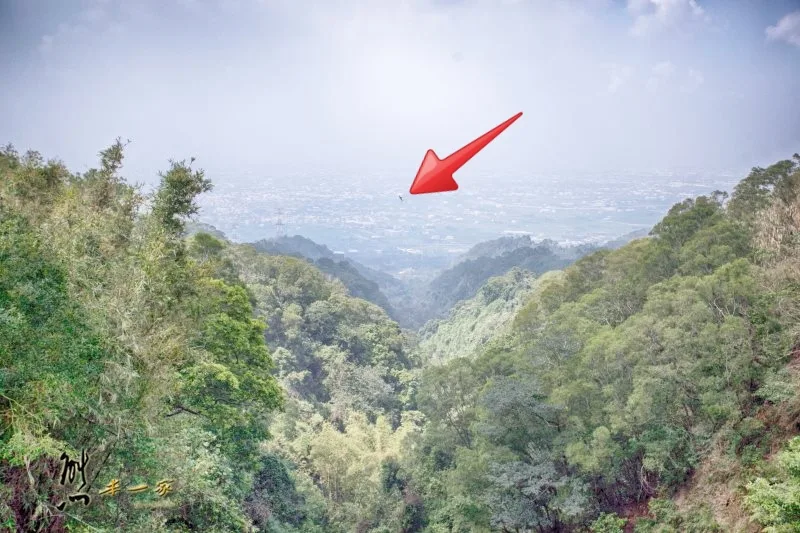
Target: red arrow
[{"x": 436, "y": 175}]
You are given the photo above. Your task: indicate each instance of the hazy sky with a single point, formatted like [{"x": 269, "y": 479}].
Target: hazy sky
[{"x": 368, "y": 86}]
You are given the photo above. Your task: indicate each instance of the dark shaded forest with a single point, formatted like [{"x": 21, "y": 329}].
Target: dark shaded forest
[{"x": 649, "y": 388}]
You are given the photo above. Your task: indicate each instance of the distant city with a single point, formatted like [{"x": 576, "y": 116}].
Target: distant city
[{"x": 364, "y": 218}]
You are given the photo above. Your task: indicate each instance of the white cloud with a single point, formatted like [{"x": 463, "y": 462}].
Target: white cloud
[
  {"x": 787, "y": 29},
  {"x": 655, "y": 15},
  {"x": 94, "y": 14},
  {"x": 370, "y": 85},
  {"x": 46, "y": 44},
  {"x": 660, "y": 73},
  {"x": 665, "y": 69},
  {"x": 618, "y": 76},
  {"x": 53, "y": 41},
  {"x": 696, "y": 79},
  {"x": 665, "y": 75}
]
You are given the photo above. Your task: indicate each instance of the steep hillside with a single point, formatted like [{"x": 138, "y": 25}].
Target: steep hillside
[
  {"x": 122, "y": 346},
  {"x": 295, "y": 245},
  {"x": 344, "y": 366},
  {"x": 412, "y": 306},
  {"x": 497, "y": 247},
  {"x": 360, "y": 280},
  {"x": 472, "y": 323},
  {"x": 300, "y": 246},
  {"x": 265, "y": 395},
  {"x": 625, "y": 239},
  {"x": 463, "y": 280},
  {"x": 495, "y": 258},
  {"x": 194, "y": 227},
  {"x": 650, "y": 388},
  {"x": 306, "y": 311}
]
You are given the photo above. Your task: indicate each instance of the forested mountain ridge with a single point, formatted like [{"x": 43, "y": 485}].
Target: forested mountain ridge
[
  {"x": 502, "y": 245},
  {"x": 472, "y": 323},
  {"x": 653, "y": 385},
  {"x": 621, "y": 241},
  {"x": 121, "y": 337},
  {"x": 624, "y": 376},
  {"x": 119, "y": 341},
  {"x": 360, "y": 280},
  {"x": 344, "y": 365},
  {"x": 412, "y": 305},
  {"x": 495, "y": 258},
  {"x": 509, "y": 243},
  {"x": 193, "y": 228},
  {"x": 463, "y": 280}
]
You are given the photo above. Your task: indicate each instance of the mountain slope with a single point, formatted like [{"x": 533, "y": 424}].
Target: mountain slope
[
  {"x": 653, "y": 387},
  {"x": 646, "y": 388},
  {"x": 344, "y": 366},
  {"x": 621, "y": 241},
  {"x": 463, "y": 280},
  {"x": 496, "y": 257},
  {"x": 195, "y": 227},
  {"x": 118, "y": 340},
  {"x": 413, "y": 306},
  {"x": 300, "y": 246},
  {"x": 496, "y": 247},
  {"x": 472, "y": 323},
  {"x": 360, "y": 280}
]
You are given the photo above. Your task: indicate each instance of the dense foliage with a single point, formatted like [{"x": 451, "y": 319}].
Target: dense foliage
[
  {"x": 609, "y": 396},
  {"x": 413, "y": 303},
  {"x": 624, "y": 375},
  {"x": 464, "y": 279},
  {"x": 361, "y": 281},
  {"x": 117, "y": 340},
  {"x": 473, "y": 323}
]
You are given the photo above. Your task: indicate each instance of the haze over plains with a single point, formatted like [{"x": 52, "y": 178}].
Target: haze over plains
[{"x": 280, "y": 86}]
